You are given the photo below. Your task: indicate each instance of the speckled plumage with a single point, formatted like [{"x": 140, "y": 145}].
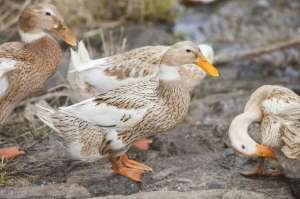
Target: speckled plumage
[
  {"x": 162, "y": 106},
  {"x": 108, "y": 124},
  {"x": 280, "y": 125},
  {"x": 35, "y": 63}
]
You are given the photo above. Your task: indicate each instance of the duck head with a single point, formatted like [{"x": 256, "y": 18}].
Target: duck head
[
  {"x": 187, "y": 53},
  {"x": 36, "y": 20},
  {"x": 240, "y": 139}
]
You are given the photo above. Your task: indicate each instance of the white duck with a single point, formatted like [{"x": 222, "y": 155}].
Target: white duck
[
  {"x": 278, "y": 111},
  {"x": 89, "y": 77}
]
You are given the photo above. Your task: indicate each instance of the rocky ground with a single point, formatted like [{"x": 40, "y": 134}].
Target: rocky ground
[{"x": 194, "y": 160}]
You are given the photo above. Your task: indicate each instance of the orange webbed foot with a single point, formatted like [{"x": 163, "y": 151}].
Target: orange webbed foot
[
  {"x": 10, "y": 152},
  {"x": 120, "y": 167},
  {"x": 134, "y": 164},
  {"x": 142, "y": 144},
  {"x": 133, "y": 174}
]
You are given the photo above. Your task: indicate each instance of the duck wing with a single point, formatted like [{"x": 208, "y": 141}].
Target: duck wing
[
  {"x": 111, "y": 72},
  {"x": 121, "y": 107}
]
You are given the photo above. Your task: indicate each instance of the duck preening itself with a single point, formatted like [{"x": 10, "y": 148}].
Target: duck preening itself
[{"x": 277, "y": 109}]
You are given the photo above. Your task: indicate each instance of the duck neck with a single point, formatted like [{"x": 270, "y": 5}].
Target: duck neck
[
  {"x": 169, "y": 73},
  {"x": 240, "y": 124},
  {"x": 28, "y": 31},
  {"x": 238, "y": 130},
  {"x": 29, "y": 37},
  {"x": 44, "y": 48}
]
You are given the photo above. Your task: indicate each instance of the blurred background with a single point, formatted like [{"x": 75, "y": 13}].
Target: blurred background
[
  {"x": 229, "y": 26},
  {"x": 196, "y": 155}
]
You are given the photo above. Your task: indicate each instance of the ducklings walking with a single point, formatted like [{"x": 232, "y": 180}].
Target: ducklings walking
[{"x": 26, "y": 65}]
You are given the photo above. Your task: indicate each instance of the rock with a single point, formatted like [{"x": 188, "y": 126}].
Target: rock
[
  {"x": 238, "y": 194},
  {"x": 141, "y": 35},
  {"x": 49, "y": 191},
  {"x": 203, "y": 194},
  {"x": 295, "y": 187},
  {"x": 164, "y": 173}
]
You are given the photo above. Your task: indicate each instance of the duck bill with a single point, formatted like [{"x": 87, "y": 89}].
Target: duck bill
[
  {"x": 207, "y": 67},
  {"x": 265, "y": 152},
  {"x": 66, "y": 34}
]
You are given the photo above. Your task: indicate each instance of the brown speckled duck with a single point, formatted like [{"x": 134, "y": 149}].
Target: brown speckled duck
[
  {"x": 108, "y": 124},
  {"x": 26, "y": 65},
  {"x": 89, "y": 77},
  {"x": 278, "y": 111}
]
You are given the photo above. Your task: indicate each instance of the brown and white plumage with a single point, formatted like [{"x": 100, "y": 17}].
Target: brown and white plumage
[
  {"x": 89, "y": 77},
  {"x": 278, "y": 111},
  {"x": 26, "y": 65},
  {"x": 126, "y": 114}
]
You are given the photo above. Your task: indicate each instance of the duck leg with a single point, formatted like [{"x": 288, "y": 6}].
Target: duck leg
[
  {"x": 10, "y": 152},
  {"x": 134, "y": 164},
  {"x": 131, "y": 173},
  {"x": 142, "y": 144},
  {"x": 258, "y": 172}
]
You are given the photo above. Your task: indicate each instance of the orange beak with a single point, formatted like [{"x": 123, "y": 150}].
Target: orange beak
[
  {"x": 66, "y": 34},
  {"x": 265, "y": 152},
  {"x": 207, "y": 67}
]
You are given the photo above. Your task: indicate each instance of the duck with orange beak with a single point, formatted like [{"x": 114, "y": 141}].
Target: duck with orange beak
[
  {"x": 108, "y": 124},
  {"x": 25, "y": 66},
  {"x": 89, "y": 77},
  {"x": 277, "y": 109}
]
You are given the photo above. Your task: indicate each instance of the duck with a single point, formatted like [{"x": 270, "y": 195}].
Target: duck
[
  {"x": 89, "y": 77},
  {"x": 277, "y": 109},
  {"x": 108, "y": 124},
  {"x": 25, "y": 65}
]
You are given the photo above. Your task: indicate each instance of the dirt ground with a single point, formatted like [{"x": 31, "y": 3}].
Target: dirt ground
[{"x": 194, "y": 160}]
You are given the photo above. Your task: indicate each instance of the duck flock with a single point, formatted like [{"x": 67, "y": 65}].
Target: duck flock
[{"x": 125, "y": 98}]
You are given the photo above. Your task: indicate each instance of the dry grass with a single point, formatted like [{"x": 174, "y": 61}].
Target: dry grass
[
  {"x": 91, "y": 14},
  {"x": 3, "y": 173}
]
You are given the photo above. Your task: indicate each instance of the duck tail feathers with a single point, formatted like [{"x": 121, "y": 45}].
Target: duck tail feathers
[
  {"x": 44, "y": 112},
  {"x": 79, "y": 58}
]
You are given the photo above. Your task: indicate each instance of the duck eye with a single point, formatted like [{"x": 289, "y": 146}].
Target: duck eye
[
  {"x": 188, "y": 50},
  {"x": 48, "y": 13},
  {"x": 243, "y": 147}
]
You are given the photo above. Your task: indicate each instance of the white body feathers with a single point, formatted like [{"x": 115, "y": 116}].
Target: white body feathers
[{"x": 5, "y": 66}]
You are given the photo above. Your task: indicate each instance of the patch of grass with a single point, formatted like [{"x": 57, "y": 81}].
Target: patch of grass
[
  {"x": 157, "y": 10},
  {"x": 3, "y": 173}
]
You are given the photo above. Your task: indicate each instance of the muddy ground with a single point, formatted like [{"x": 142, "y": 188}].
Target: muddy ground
[{"x": 193, "y": 160}]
